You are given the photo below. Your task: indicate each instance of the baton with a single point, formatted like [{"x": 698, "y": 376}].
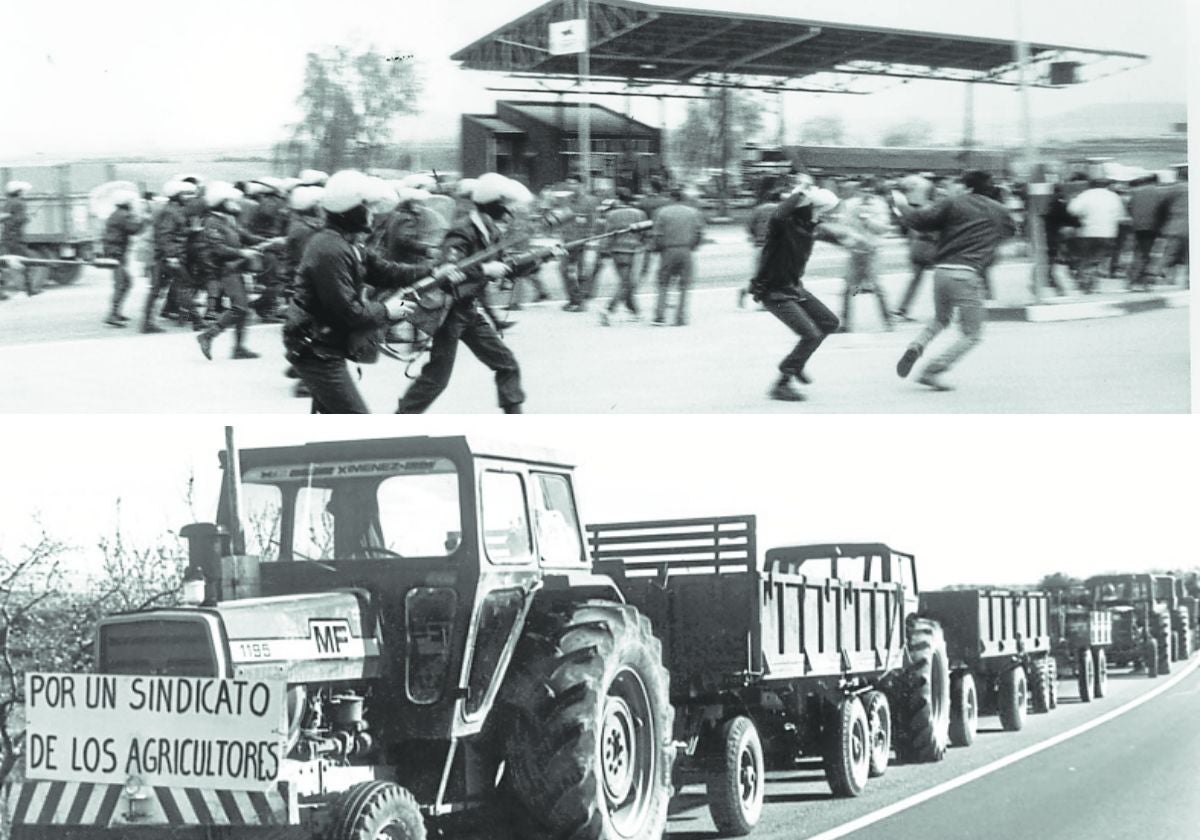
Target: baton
[{"x": 98, "y": 262}]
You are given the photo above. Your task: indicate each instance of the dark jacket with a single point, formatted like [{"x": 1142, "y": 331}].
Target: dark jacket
[
  {"x": 301, "y": 229},
  {"x": 330, "y": 310},
  {"x": 470, "y": 235},
  {"x": 221, "y": 243},
  {"x": 171, "y": 230},
  {"x": 121, "y": 225},
  {"x": 970, "y": 226},
  {"x": 785, "y": 252}
]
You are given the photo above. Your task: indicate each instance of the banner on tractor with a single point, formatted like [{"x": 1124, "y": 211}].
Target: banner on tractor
[{"x": 164, "y": 731}]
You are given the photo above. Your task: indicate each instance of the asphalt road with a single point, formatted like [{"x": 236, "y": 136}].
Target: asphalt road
[
  {"x": 1131, "y": 776},
  {"x": 57, "y": 356}
]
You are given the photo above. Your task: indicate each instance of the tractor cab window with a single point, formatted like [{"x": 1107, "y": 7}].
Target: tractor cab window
[
  {"x": 354, "y": 511},
  {"x": 556, "y": 521},
  {"x": 506, "y": 537}
]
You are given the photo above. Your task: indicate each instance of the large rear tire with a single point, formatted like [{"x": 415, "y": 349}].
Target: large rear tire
[
  {"x": 1100, "y": 686},
  {"x": 1014, "y": 695},
  {"x": 588, "y": 748},
  {"x": 736, "y": 787},
  {"x": 848, "y": 758},
  {"x": 964, "y": 709},
  {"x": 1151, "y": 656},
  {"x": 923, "y": 719},
  {"x": 879, "y": 719},
  {"x": 1185, "y": 634},
  {"x": 1166, "y": 641},
  {"x": 371, "y": 810},
  {"x": 1087, "y": 675}
]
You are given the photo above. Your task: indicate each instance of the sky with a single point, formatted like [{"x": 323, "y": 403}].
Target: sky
[
  {"x": 128, "y": 77},
  {"x": 979, "y": 500}
]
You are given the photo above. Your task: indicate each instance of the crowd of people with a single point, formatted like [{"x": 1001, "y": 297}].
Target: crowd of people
[{"x": 209, "y": 245}]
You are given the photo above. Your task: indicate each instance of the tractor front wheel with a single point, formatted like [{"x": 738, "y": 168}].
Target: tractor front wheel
[{"x": 371, "y": 810}]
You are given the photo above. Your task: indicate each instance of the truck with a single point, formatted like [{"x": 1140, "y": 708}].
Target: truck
[
  {"x": 1141, "y": 605},
  {"x": 811, "y": 650},
  {"x": 1079, "y": 638},
  {"x": 999, "y": 647},
  {"x": 425, "y": 614},
  {"x": 61, "y": 226}
]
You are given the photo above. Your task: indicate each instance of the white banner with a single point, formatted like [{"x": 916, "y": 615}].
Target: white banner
[
  {"x": 568, "y": 36},
  {"x": 166, "y": 731}
]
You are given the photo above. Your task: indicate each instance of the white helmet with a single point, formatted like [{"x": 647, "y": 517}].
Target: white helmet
[
  {"x": 407, "y": 194},
  {"x": 304, "y": 199},
  {"x": 420, "y": 181},
  {"x": 465, "y": 187},
  {"x": 286, "y": 185},
  {"x": 382, "y": 197},
  {"x": 313, "y": 178},
  {"x": 18, "y": 187},
  {"x": 173, "y": 188},
  {"x": 346, "y": 190},
  {"x": 219, "y": 192},
  {"x": 191, "y": 178},
  {"x": 124, "y": 198},
  {"x": 492, "y": 186}
]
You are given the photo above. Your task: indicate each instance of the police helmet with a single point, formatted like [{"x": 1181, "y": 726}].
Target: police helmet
[{"x": 346, "y": 190}]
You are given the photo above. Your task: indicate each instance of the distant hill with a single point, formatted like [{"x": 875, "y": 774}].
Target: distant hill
[{"x": 1117, "y": 119}]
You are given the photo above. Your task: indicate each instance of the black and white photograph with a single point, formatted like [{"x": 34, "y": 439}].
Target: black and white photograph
[
  {"x": 595, "y": 206},
  {"x": 332, "y": 630}
]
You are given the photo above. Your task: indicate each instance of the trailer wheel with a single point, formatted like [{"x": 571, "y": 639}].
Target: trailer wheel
[
  {"x": 1151, "y": 656},
  {"x": 1052, "y": 668},
  {"x": 735, "y": 791},
  {"x": 1087, "y": 675},
  {"x": 1100, "y": 687},
  {"x": 964, "y": 709},
  {"x": 370, "y": 810},
  {"x": 848, "y": 757},
  {"x": 924, "y": 712},
  {"x": 879, "y": 719},
  {"x": 588, "y": 748},
  {"x": 1040, "y": 685},
  {"x": 1014, "y": 695}
]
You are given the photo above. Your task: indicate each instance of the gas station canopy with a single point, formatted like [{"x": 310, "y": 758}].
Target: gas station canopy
[{"x": 657, "y": 44}]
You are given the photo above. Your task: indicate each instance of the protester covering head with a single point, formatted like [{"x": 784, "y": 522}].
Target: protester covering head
[{"x": 978, "y": 181}]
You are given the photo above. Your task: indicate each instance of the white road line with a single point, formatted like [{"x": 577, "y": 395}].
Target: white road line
[{"x": 999, "y": 764}]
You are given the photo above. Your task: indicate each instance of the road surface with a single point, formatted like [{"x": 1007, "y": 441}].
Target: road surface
[
  {"x": 57, "y": 356},
  {"x": 1131, "y": 776}
]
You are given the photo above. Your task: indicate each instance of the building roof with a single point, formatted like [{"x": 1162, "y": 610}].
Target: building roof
[
  {"x": 494, "y": 124},
  {"x": 565, "y": 117},
  {"x": 666, "y": 43},
  {"x": 889, "y": 159}
]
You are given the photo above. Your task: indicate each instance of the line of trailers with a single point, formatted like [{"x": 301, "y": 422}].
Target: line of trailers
[{"x": 833, "y": 651}]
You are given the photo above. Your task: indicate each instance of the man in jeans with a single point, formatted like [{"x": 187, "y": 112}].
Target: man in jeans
[
  {"x": 678, "y": 229},
  {"x": 971, "y": 227}
]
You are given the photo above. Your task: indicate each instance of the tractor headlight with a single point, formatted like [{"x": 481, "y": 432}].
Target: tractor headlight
[{"x": 429, "y": 623}]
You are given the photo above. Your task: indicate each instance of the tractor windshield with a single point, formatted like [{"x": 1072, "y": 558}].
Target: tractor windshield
[{"x": 344, "y": 511}]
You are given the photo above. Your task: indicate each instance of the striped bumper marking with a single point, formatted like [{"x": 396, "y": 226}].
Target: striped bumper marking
[{"x": 77, "y": 803}]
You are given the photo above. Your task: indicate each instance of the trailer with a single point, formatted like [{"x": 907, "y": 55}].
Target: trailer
[
  {"x": 1079, "y": 638},
  {"x": 999, "y": 647},
  {"x": 61, "y": 226},
  {"x": 811, "y": 651}
]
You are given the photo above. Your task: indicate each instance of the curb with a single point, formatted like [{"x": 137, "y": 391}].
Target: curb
[{"x": 1084, "y": 309}]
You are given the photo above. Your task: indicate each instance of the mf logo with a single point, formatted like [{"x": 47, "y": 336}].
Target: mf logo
[{"x": 331, "y": 635}]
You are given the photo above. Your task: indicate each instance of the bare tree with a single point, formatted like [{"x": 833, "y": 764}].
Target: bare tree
[
  {"x": 46, "y": 625},
  {"x": 914, "y": 132}
]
